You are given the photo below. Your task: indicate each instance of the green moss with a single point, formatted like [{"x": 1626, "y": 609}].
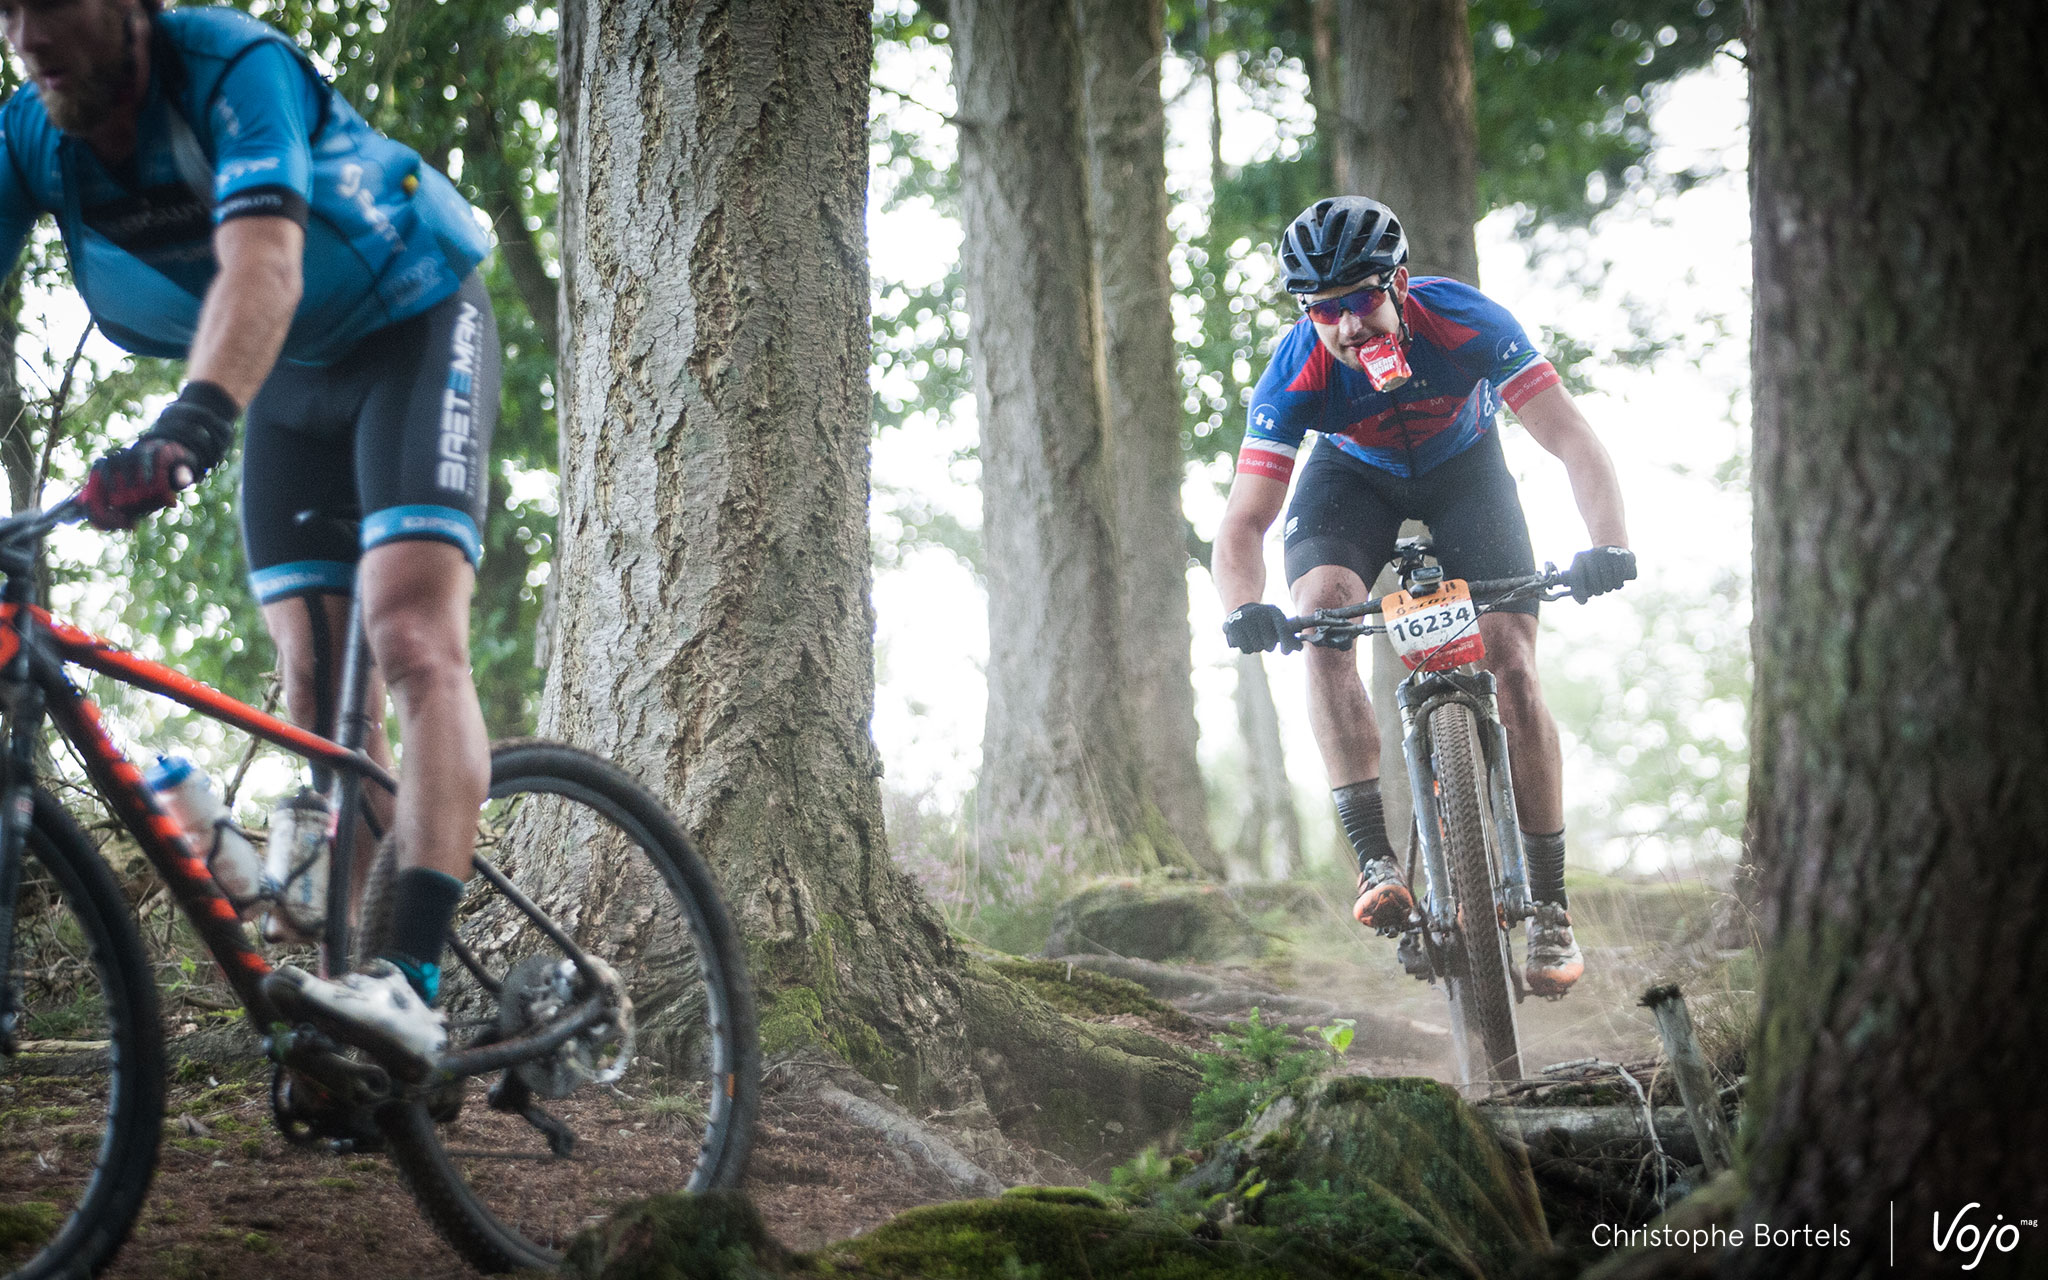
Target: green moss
[
  {"x": 340, "y": 1184},
  {"x": 1087, "y": 994},
  {"x": 864, "y": 1050},
  {"x": 26, "y": 1226},
  {"x": 257, "y": 1242},
  {"x": 252, "y": 1147},
  {"x": 714, "y": 1236},
  {"x": 791, "y": 1019},
  {"x": 1049, "y": 1234},
  {"x": 1060, "y": 1195},
  {"x": 35, "y": 1117}
]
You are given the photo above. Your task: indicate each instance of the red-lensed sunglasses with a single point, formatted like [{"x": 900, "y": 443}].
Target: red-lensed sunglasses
[{"x": 1359, "y": 302}]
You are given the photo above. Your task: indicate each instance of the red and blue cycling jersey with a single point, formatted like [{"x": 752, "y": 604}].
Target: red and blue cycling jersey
[{"x": 1468, "y": 355}]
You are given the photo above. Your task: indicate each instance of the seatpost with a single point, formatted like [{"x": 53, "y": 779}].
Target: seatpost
[{"x": 352, "y": 731}]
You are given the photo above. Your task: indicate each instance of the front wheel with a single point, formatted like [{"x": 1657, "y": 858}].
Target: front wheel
[
  {"x": 82, "y": 1096},
  {"x": 510, "y": 1166},
  {"x": 1480, "y": 982}
]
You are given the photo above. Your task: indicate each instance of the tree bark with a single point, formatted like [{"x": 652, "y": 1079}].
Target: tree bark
[
  {"x": 714, "y": 631},
  {"x": 1408, "y": 133},
  {"x": 1123, "y": 45},
  {"x": 1901, "y": 712},
  {"x": 1060, "y": 758},
  {"x": 1270, "y": 839}
]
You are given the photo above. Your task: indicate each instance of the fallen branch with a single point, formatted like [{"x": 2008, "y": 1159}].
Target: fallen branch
[{"x": 1579, "y": 1131}]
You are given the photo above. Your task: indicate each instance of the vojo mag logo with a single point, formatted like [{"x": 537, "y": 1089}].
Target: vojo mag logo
[{"x": 1965, "y": 1238}]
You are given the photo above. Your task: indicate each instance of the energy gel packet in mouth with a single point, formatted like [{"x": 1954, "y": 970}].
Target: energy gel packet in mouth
[{"x": 1386, "y": 365}]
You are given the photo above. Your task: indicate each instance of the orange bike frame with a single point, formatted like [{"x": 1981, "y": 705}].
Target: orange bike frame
[{"x": 120, "y": 783}]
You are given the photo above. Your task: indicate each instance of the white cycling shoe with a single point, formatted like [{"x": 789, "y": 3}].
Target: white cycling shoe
[{"x": 375, "y": 1010}]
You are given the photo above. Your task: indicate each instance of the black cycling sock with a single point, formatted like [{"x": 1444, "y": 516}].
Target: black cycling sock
[
  {"x": 1358, "y": 808},
  {"x": 423, "y": 904},
  {"x": 1545, "y": 855}
]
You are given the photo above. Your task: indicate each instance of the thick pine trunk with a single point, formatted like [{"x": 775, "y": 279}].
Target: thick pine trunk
[
  {"x": 1408, "y": 133},
  {"x": 1269, "y": 840},
  {"x": 714, "y": 631},
  {"x": 1123, "y": 44},
  {"x": 1901, "y": 716},
  {"x": 1060, "y": 758}
]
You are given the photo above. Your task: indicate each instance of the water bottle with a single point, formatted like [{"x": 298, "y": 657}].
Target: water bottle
[
  {"x": 188, "y": 797},
  {"x": 301, "y": 831}
]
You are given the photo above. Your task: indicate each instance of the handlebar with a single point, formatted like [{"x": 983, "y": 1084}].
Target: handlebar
[
  {"x": 1336, "y": 626},
  {"x": 30, "y": 527}
]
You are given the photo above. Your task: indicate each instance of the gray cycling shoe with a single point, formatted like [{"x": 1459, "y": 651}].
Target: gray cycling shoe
[
  {"x": 375, "y": 1010},
  {"x": 1554, "y": 962}
]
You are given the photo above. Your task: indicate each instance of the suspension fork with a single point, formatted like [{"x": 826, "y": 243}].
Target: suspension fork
[{"x": 1418, "y": 702}]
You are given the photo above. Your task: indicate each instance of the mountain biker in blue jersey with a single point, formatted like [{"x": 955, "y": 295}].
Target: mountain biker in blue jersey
[
  {"x": 219, "y": 202},
  {"x": 1427, "y": 449}
]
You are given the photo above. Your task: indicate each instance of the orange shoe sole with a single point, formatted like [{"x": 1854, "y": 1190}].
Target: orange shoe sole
[
  {"x": 1554, "y": 984},
  {"x": 1384, "y": 907}
]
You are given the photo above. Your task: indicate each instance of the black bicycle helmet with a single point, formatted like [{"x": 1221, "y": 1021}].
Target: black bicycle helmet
[{"x": 1340, "y": 241}]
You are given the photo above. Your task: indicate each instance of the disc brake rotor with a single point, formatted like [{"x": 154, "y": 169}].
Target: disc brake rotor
[{"x": 539, "y": 989}]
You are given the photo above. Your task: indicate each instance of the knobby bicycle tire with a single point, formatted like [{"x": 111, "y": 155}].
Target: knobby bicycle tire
[
  {"x": 719, "y": 1069},
  {"x": 1480, "y": 985},
  {"x": 66, "y": 875}
]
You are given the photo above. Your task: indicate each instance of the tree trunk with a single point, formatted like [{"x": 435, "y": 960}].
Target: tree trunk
[
  {"x": 1060, "y": 757},
  {"x": 1901, "y": 714},
  {"x": 1409, "y": 133},
  {"x": 19, "y": 449},
  {"x": 714, "y": 631},
  {"x": 1123, "y": 44},
  {"x": 1270, "y": 839}
]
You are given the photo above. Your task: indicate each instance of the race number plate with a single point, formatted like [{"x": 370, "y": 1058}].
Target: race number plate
[{"x": 1438, "y": 631}]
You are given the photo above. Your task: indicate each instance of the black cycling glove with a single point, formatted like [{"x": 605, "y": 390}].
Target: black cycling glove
[
  {"x": 1601, "y": 570},
  {"x": 187, "y": 440},
  {"x": 1255, "y": 628}
]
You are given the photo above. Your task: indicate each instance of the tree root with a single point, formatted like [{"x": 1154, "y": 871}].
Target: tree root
[{"x": 925, "y": 1144}]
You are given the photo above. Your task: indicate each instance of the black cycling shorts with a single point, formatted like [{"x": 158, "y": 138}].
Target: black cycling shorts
[
  {"x": 396, "y": 435},
  {"x": 1348, "y": 513}
]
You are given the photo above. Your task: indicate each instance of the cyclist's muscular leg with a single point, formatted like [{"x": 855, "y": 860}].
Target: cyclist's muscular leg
[
  {"x": 416, "y": 598},
  {"x": 310, "y": 632},
  {"x": 1341, "y": 715}
]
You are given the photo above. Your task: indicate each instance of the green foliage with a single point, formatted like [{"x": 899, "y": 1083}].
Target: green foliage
[
  {"x": 1564, "y": 90},
  {"x": 1665, "y": 714},
  {"x": 1338, "y": 1034},
  {"x": 1255, "y": 1064}
]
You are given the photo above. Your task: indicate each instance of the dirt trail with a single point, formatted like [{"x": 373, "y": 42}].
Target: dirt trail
[{"x": 233, "y": 1201}]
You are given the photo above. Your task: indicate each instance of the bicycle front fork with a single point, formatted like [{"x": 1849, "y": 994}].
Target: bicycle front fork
[{"x": 1417, "y": 701}]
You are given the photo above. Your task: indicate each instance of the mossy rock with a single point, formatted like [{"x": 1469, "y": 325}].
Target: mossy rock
[
  {"x": 1154, "y": 918},
  {"x": 1087, "y": 994},
  {"x": 1408, "y": 1164},
  {"x": 1031, "y": 1237},
  {"x": 717, "y": 1235}
]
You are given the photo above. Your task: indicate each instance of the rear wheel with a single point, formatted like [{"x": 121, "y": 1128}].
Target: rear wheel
[
  {"x": 510, "y": 1166},
  {"x": 1480, "y": 979},
  {"x": 82, "y": 1098}
]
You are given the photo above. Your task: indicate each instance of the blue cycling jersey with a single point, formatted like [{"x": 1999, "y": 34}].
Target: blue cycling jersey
[
  {"x": 237, "y": 122},
  {"x": 1468, "y": 356}
]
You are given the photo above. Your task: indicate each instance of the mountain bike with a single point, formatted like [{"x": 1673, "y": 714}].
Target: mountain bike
[
  {"x": 1467, "y": 845},
  {"x": 597, "y": 981}
]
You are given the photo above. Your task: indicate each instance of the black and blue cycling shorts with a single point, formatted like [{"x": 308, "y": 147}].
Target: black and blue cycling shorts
[
  {"x": 1349, "y": 513},
  {"x": 393, "y": 437}
]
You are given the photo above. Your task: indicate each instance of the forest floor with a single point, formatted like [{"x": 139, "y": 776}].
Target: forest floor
[{"x": 232, "y": 1200}]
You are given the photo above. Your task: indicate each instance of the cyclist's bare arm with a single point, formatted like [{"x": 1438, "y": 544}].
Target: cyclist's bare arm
[
  {"x": 1556, "y": 423},
  {"x": 1239, "y": 565},
  {"x": 249, "y": 305}
]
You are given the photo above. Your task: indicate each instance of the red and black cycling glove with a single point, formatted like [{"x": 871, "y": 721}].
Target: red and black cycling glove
[{"x": 188, "y": 439}]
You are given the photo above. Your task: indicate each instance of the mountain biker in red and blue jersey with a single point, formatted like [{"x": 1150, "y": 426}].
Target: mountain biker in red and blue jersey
[
  {"x": 218, "y": 201},
  {"x": 1425, "y": 449},
  {"x": 1468, "y": 355}
]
